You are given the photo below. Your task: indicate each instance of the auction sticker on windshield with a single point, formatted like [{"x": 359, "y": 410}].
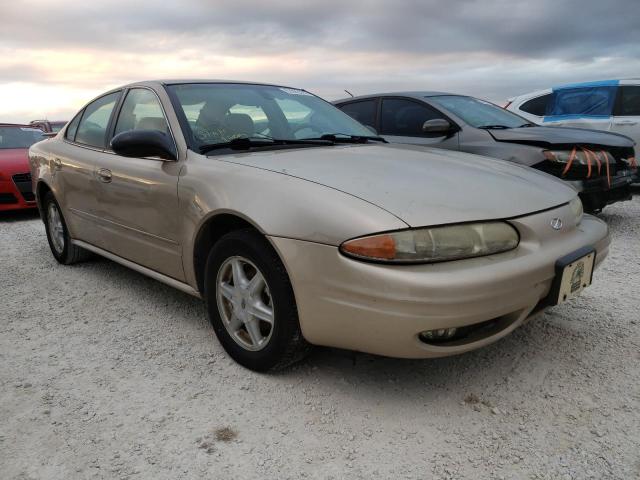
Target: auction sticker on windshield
[{"x": 295, "y": 91}]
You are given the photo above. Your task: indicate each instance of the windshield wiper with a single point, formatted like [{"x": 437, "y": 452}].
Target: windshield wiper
[
  {"x": 494, "y": 127},
  {"x": 345, "y": 138},
  {"x": 245, "y": 143},
  {"x": 527, "y": 125}
]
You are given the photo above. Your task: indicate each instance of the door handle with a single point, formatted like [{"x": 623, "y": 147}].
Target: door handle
[
  {"x": 57, "y": 164},
  {"x": 625, "y": 122},
  {"x": 104, "y": 175}
]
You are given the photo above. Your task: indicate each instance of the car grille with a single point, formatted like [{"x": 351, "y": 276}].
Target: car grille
[
  {"x": 22, "y": 177},
  {"x": 7, "y": 198},
  {"x": 577, "y": 171},
  {"x": 23, "y": 182}
]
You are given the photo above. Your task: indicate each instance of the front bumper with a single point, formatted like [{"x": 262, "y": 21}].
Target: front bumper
[
  {"x": 599, "y": 192},
  {"x": 16, "y": 193},
  {"x": 381, "y": 309}
]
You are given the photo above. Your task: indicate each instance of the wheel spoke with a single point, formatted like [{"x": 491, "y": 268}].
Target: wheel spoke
[
  {"x": 239, "y": 277},
  {"x": 227, "y": 291},
  {"x": 253, "y": 329},
  {"x": 256, "y": 284},
  {"x": 262, "y": 312},
  {"x": 234, "y": 323}
]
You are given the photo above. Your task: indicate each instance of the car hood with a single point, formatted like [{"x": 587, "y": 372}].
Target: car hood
[
  {"x": 14, "y": 160},
  {"x": 421, "y": 186},
  {"x": 561, "y": 136}
]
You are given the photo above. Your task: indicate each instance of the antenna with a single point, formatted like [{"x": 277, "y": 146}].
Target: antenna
[{"x": 349, "y": 93}]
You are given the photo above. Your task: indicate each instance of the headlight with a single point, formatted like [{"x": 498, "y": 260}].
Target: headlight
[
  {"x": 436, "y": 244},
  {"x": 576, "y": 208},
  {"x": 632, "y": 162},
  {"x": 579, "y": 157}
]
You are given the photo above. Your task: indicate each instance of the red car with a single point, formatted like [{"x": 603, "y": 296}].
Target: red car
[{"x": 15, "y": 180}]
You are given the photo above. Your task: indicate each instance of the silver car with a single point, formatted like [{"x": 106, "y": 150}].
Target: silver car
[
  {"x": 600, "y": 165},
  {"x": 297, "y": 227}
]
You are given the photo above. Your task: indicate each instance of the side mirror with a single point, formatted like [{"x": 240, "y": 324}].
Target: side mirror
[
  {"x": 437, "y": 125},
  {"x": 144, "y": 143}
]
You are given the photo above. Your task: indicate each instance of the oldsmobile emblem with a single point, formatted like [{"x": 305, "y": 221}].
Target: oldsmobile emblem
[{"x": 556, "y": 223}]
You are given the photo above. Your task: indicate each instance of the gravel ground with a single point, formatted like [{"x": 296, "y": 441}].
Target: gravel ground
[{"x": 108, "y": 374}]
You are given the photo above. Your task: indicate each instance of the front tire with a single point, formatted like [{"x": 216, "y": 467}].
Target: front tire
[
  {"x": 63, "y": 250},
  {"x": 250, "y": 303}
]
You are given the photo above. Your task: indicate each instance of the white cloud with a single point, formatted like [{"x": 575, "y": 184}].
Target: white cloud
[{"x": 56, "y": 56}]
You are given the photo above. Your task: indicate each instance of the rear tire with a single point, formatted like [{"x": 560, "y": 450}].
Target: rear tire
[
  {"x": 250, "y": 303},
  {"x": 63, "y": 250}
]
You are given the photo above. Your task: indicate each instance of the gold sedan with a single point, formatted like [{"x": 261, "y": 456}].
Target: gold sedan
[{"x": 297, "y": 225}]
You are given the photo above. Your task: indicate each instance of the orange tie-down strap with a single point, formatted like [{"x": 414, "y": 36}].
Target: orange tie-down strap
[
  {"x": 587, "y": 156},
  {"x": 606, "y": 162},
  {"x": 590, "y": 156},
  {"x": 633, "y": 162},
  {"x": 572, "y": 157}
]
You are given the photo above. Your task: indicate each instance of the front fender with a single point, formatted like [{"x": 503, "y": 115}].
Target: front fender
[{"x": 275, "y": 204}]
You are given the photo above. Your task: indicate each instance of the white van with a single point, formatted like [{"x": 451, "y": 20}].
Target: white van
[{"x": 611, "y": 105}]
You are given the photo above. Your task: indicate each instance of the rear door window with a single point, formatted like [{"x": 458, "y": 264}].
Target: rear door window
[
  {"x": 536, "y": 106},
  {"x": 92, "y": 129},
  {"x": 404, "y": 117},
  {"x": 363, "y": 111}
]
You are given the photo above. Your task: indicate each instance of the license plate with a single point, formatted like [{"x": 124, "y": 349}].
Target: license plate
[{"x": 575, "y": 277}]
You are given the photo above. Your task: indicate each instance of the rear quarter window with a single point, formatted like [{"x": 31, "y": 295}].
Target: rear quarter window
[
  {"x": 594, "y": 101},
  {"x": 70, "y": 134}
]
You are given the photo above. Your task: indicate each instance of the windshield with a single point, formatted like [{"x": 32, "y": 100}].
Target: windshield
[
  {"x": 478, "y": 113},
  {"x": 19, "y": 137},
  {"x": 220, "y": 112}
]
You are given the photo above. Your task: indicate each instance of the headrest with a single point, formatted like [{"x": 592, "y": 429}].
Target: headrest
[{"x": 239, "y": 124}]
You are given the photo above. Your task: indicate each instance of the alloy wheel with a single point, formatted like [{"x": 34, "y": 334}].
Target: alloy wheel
[
  {"x": 56, "y": 229},
  {"x": 245, "y": 303}
]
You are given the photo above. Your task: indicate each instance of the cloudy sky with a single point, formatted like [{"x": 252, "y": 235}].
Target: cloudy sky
[{"x": 55, "y": 56}]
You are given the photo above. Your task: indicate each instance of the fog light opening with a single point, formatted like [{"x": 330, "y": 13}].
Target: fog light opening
[{"x": 438, "y": 335}]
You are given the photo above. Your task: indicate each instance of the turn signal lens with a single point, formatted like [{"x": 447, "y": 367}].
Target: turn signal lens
[
  {"x": 436, "y": 244},
  {"x": 380, "y": 246}
]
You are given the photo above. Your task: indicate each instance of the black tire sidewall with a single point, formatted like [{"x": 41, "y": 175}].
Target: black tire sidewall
[
  {"x": 255, "y": 248},
  {"x": 60, "y": 257}
]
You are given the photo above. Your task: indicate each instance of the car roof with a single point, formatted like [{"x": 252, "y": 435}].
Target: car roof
[
  {"x": 419, "y": 95},
  {"x": 178, "y": 81},
  {"x": 19, "y": 125},
  {"x": 596, "y": 83},
  {"x": 164, "y": 82}
]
